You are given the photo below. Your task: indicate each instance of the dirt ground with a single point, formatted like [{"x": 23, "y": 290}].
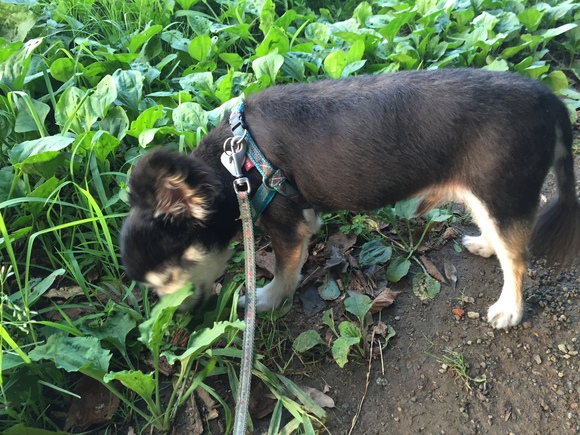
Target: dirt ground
[{"x": 532, "y": 371}]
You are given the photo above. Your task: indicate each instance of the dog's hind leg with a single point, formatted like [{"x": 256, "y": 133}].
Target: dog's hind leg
[
  {"x": 290, "y": 247},
  {"x": 508, "y": 241}
]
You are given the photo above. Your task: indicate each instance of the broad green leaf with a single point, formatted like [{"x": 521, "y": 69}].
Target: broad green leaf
[
  {"x": 275, "y": 41},
  {"x": 142, "y": 37},
  {"x": 425, "y": 286},
  {"x": 64, "y": 69},
  {"x": 16, "y": 21},
  {"x": 146, "y": 120},
  {"x": 439, "y": 215},
  {"x": 537, "y": 69},
  {"x": 557, "y": 81},
  {"x": 267, "y": 16},
  {"x": 356, "y": 51},
  {"x": 362, "y": 12},
  {"x": 24, "y": 119},
  {"x": 329, "y": 290},
  {"x": 67, "y": 112},
  {"x": 74, "y": 354},
  {"x": 43, "y": 164},
  {"x": 349, "y": 329},
  {"x": 318, "y": 33},
  {"x": 497, "y": 65},
  {"x": 99, "y": 101},
  {"x": 186, "y": 4},
  {"x": 189, "y": 116},
  {"x": 232, "y": 59},
  {"x": 392, "y": 29},
  {"x": 114, "y": 329},
  {"x": 268, "y": 66},
  {"x": 116, "y": 122},
  {"x": 199, "y": 47},
  {"x": 200, "y": 341},
  {"x": 531, "y": 18},
  {"x": 8, "y": 48},
  {"x": 359, "y": 305},
  {"x": 327, "y": 318},
  {"x": 143, "y": 385},
  {"x": 13, "y": 69},
  {"x": 224, "y": 87},
  {"x": 377, "y": 251},
  {"x": 306, "y": 341},
  {"x": 129, "y": 88},
  {"x": 551, "y": 33},
  {"x": 407, "y": 209},
  {"x": 29, "y": 148},
  {"x": 335, "y": 63},
  {"x": 341, "y": 348},
  {"x": 424, "y": 7},
  {"x": 485, "y": 20},
  {"x": 397, "y": 269},
  {"x": 154, "y": 328},
  {"x": 44, "y": 190}
]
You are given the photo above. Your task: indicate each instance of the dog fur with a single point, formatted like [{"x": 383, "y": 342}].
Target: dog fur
[{"x": 486, "y": 139}]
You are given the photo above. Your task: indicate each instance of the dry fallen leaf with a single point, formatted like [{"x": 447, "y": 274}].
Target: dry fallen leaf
[
  {"x": 96, "y": 404},
  {"x": 319, "y": 397},
  {"x": 449, "y": 233},
  {"x": 208, "y": 402},
  {"x": 266, "y": 260},
  {"x": 432, "y": 269},
  {"x": 385, "y": 299},
  {"x": 340, "y": 241},
  {"x": 261, "y": 403},
  {"x": 64, "y": 292},
  {"x": 450, "y": 273}
]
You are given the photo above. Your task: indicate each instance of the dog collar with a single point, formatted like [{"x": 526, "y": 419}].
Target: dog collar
[{"x": 273, "y": 179}]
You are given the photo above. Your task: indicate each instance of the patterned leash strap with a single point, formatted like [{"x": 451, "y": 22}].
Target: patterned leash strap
[{"x": 248, "y": 343}]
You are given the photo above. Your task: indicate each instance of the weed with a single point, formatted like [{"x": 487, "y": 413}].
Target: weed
[{"x": 455, "y": 361}]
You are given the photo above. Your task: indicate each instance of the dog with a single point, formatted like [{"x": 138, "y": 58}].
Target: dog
[{"x": 486, "y": 139}]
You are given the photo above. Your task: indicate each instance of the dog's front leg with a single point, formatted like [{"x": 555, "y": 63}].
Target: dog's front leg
[{"x": 290, "y": 247}]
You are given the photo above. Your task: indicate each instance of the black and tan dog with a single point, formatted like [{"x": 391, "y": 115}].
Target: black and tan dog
[{"x": 482, "y": 138}]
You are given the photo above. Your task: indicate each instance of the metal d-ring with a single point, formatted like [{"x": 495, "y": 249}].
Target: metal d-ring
[{"x": 234, "y": 141}]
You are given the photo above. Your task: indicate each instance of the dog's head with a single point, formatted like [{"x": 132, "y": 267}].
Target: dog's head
[{"x": 172, "y": 236}]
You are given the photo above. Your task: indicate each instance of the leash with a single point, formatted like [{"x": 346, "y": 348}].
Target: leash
[
  {"x": 241, "y": 151},
  {"x": 232, "y": 158}
]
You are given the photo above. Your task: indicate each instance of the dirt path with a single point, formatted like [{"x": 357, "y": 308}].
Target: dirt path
[{"x": 532, "y": 371}]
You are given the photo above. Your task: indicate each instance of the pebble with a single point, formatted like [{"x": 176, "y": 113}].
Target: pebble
[
  {"x": 537, "y": 359},
  {"x": 472, "y": 315}
]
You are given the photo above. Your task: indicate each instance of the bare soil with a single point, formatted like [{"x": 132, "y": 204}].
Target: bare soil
[{"x": 532, "y": 371}]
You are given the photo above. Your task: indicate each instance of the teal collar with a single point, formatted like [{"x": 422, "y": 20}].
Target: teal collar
[{"x": 273, "y": 180}]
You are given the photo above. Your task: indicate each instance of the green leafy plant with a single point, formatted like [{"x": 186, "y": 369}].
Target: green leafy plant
[{"x": 87, "y": 87}]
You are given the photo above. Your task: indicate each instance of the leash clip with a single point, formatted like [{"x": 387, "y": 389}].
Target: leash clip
[{"x": 234, "y": 154}]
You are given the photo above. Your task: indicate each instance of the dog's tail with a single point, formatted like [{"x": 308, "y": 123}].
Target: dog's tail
[{"x": 557, "y": 232}]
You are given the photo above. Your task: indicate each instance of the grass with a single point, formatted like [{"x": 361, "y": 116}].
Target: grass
[
  {"x": 455, "y": 362},
  {"x": 87, "y": 87}
]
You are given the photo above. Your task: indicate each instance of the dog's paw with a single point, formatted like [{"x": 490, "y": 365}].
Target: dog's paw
[
  {"x": 266, "y": 299},
  {"x": 503, "y": 314},
  {"x": 478, "y": 246}
]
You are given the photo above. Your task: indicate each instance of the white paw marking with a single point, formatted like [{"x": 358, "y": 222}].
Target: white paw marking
[
  {"x": 267, "y": 297},
  {"x": 478, "y": 246},
  {"x": 504, "y": 314}
]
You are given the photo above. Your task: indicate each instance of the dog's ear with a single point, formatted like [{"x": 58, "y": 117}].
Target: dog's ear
[{"x": 173, "y": 186}]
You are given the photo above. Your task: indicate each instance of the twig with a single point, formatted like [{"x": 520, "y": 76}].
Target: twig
[{"x": 355, "y": 419}]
